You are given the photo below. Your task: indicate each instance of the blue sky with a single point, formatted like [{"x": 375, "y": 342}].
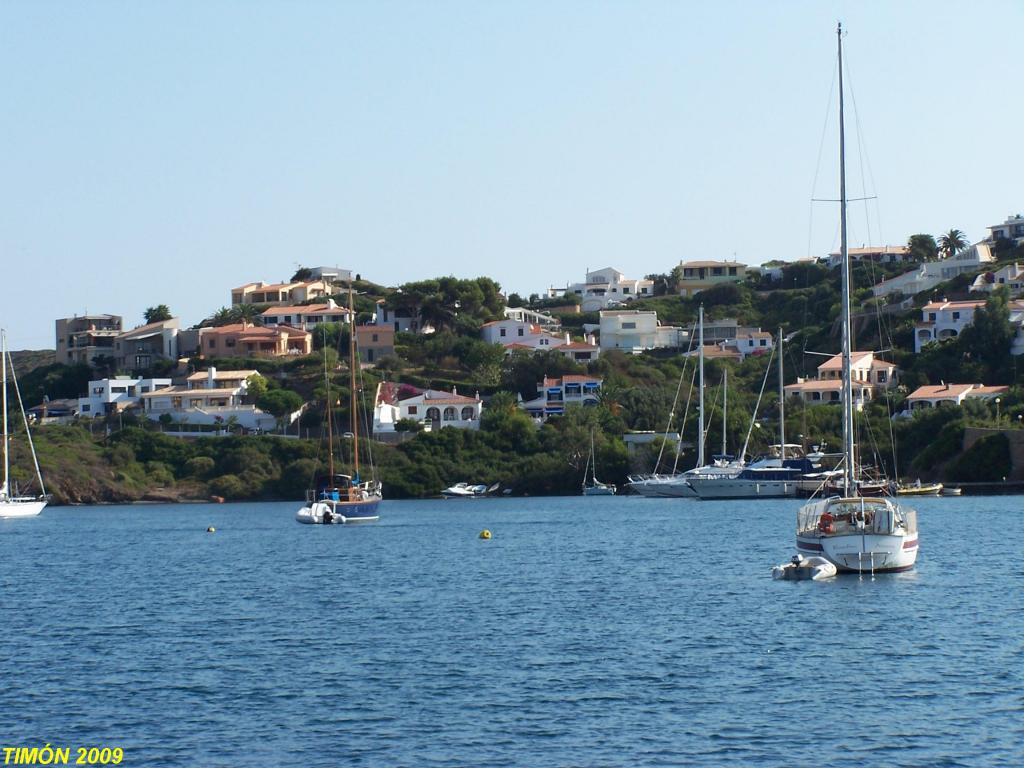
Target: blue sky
[{"x": 167, "y": 152}]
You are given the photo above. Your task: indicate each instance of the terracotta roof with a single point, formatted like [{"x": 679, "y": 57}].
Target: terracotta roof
[
  {"x": 836, "y": 361},
  {"x": 933, "y": 391},
  {"x": 819, "y": 385},
  {"x": 982, "y": 391},
  {"x": 938, "y": 305},
  {"x": 305, "y": 309}
]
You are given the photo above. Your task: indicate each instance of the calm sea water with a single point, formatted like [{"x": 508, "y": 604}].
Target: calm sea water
[{"x": 587, "y": 632}]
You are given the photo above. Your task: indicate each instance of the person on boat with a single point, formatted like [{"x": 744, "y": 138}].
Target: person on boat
[{"x": 327, "y": 516}]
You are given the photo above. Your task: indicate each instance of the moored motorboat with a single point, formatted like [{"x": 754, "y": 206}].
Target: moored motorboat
[
  {"x": 919, "y": 489},
  {"x": 801, "y": 568},
  {"x": 466, "y": 491},
  {"x": 948, "y": 491}
]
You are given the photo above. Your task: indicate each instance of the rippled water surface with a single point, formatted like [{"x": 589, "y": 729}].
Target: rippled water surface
[{"x": 586, "y": 632}]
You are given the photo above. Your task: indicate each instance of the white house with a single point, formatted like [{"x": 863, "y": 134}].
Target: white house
[
  {"x": 750, "y": 343},
  {"x": 634, "y": 330},
  {"x": 520, "y": 332},
  {"x": 934, "y": 396},
  {"x": 432, "y": 408},
  {"x": 530, "y": 316},
  {"x": 943, "y": 320},
  {"x": 305, "y": 316},
  {"x": 557, "y": 394},
  {"x": 870, "y": 376},
  {"x": 930, "y": 274},
  {"x": 112, "y": 395},
  {"x": 888, "y": 254},
  {"x": 280, "y": 293},
  {"x": 604, "y": 287},
  {"x": 211, "y": 398},
  {"x": 1012, "y": 276},
  {"x": 1012, "y": 228}
]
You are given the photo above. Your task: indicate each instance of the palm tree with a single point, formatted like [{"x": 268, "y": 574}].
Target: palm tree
[{"x": 951, "y": 243}]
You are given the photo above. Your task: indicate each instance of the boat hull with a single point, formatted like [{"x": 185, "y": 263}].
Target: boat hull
[
  {"x": 599, "y": 491},
  {"x": 21, "y": 508},
  {"x": 329, "y": 512},
  {"x": 862, "y": 553},
  {"x": 736, "y": 488}
]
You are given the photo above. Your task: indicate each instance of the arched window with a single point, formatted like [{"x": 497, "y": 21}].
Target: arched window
[
  {"x": 467, "y": 413},
  {"x": 449, "y": 414},
  {"x": 433, "y": 414}
]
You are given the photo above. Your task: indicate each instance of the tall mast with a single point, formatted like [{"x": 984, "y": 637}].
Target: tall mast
[
  {"x": 3, "y": 359},
  {"x": 782, "y": 405},
  {"x": 848, "y": 463},
  {"x": 330, "y": 418},
  {"x": 725, "y": 407},
  {"x": 352, "y": 372},
  {"x": 700, "y": 385}
]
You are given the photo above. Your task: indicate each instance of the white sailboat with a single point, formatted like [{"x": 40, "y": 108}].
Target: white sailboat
[
  {"x": 12, "y": 503},
  {"x": 855, "y": 533},
  {"x": 678, "y": 486},
  {"x": 591, "y": 485},
  {"x": 773, "y": 476}
]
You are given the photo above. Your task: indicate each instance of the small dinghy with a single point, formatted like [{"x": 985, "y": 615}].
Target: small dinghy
[{"x": 801, "y": 568}]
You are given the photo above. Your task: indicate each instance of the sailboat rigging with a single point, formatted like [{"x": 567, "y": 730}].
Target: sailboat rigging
[
  {"x": 339, "y": 498},
  {"x": 591, "y": 485},
  {"x": 853, "y": 532},
  {"x": 12, "y": 503}
]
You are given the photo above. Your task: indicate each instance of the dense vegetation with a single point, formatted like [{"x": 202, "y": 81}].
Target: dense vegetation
[{"x": 131, "y": 459}]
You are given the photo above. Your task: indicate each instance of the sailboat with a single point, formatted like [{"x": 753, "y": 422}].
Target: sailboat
[
  {"x": 12, "y": 503},
  {"x": 678, "y": 486},
  {"x": 769, "y": 477},
  {"x": 855, "y": 533},
  {"x": 340, "y": 498},
  {"x": 591, "y": 485}
]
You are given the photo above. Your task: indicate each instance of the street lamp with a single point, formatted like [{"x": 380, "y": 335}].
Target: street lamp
[{"x": 997, "y": 410}]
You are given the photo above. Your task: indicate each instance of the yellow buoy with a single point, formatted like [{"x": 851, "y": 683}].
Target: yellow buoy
[
  {"x": 211, "y": 529},
  {"x": 485, "y": 534}
]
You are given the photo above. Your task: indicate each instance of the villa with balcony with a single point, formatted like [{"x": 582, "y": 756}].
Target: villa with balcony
[
  {"x": 697, "y": 276},
  {"x": 81, "y": 339},
  {"x": 280, "y": 294},
  {"x": 431, "y": 408},
  {"x": 139, "y": 348},
  {"x": 943, "y": 320},
  {"x": 211, "y": 398},
  {"x": 870, "y": 375},
  {"x": 603, "y": 288},
  {"x": 308, "y": 317},
  {"x": 247, "y": 340},
  {"x": 107, "y": 396},
  {"x": 939, "y": 395},
  {"x": 931, "y": 273},
  {"x": 1011, "y": 229},
  {"x": 887, "y": 254},
  {"x": 555, "y": 395}
]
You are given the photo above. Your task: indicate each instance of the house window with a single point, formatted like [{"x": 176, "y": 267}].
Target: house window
[
  {"x": 716, "y": 271},
  {"x": 956, "y": 315},
  {"x": 450, "y": 414},
  {"x": 629, "y": 326},
  {"x": 625, "y": 290},
  {"x": 931, "y": 317},
  {"x": 882, "y": 377},
  {"x": 86, "y": 408},
  {"x": 764, "y": 342},
  {"x": 520, "y": 331},
  {"x": 502, "y": 333},
  {"x": 412, "y": 410},
  {"x": 212, "y": 343},
  {"x": 434, "y": 414},
  {"x": 467, "y": 413},
  {"x": 732, "y": 271},
  {"x": 375, "y": 338},
  {"x": 229, "y": 342},
  {"x": 643, "y": 290}
]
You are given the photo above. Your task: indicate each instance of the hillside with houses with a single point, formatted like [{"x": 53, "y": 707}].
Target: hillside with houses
[{"x": 465, "y": 382}]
